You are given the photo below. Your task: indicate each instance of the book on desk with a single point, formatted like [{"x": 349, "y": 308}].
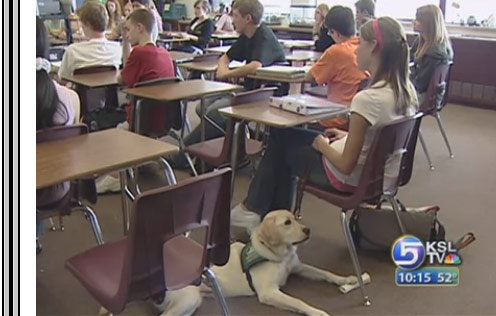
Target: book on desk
[
  {"x": 305, "y": 104},
  {"x": 283, "y": 71}
]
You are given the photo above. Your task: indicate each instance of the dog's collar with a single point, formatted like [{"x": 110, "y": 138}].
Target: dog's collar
[{"x": 250, "y": 258}]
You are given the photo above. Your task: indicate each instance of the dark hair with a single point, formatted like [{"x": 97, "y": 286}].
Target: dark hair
[
  {"x": 47, "y": 99},
  {"x": 251, "y": 7},
  {"x": 341, "y": 19},
  {"x": 144, "y": 17},
  {"x": 366, "y": 5}
]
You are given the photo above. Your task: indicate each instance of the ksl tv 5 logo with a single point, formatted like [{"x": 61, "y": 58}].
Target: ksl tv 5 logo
[{"x": 409, "y": 253}]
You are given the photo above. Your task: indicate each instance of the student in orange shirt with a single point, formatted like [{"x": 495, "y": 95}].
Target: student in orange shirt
[{"x": 338, "y": 66}]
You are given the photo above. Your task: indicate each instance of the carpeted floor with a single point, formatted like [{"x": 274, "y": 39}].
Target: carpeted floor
[{"x": 463, "y": 187}]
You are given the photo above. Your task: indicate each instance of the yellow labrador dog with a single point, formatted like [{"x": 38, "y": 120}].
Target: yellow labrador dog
[{"x": 260, "y": 268}]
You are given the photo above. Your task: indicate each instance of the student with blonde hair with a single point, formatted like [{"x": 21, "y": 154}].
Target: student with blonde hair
[
  {"x": 334, "y": 160},
  {"x": 322, "y": 40},
  {"x": 431, "y": 48}
]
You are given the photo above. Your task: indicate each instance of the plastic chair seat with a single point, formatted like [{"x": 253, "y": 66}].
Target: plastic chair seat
[
  {"x": 342, "y": 200},
  {"x": 210, "y": 151},
  {"x": 100, "y": 269}
]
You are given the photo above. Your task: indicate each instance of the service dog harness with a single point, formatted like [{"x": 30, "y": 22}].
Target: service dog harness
[{"x": 249, "y": 259}]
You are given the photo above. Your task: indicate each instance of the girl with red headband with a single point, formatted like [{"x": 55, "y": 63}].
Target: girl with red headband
[{"x": 334, "y": 160}]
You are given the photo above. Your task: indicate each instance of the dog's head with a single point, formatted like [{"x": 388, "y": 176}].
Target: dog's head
[{"x": 280, "y": 229}]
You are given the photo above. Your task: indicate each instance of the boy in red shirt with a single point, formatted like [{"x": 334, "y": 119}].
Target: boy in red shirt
[{"x": 145, "y": 62}]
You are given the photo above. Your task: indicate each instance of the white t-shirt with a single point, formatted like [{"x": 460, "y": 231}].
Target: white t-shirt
[
  {"x": 377, "y": 106},
  {"x": 95, "y": 52}
]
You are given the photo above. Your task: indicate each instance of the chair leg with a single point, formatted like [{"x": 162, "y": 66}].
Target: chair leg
[
  {"x": 354, "y": 256},
  {"x": 298, "y": 200},
  {"x": 219, "y": 297},
  {"x": 443, "y": 132},
  {"x": 396, "y": 208},
  {"x": 169, "y": 173},
  {"x": 424, "y": 147},
  {"x": 191, "y": 164},
  {"x": 52, "y": 224},
  {"x": 95, "y": 226}
]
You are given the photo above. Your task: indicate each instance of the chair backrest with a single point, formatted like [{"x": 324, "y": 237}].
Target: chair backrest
[
  {"x": 390, "y": 139},
  {"x": 174, "y": 117},
  {"x": 437, "y": 92},
  {"x": 86, "y": 189},
  {"x": 93, "y": 70},
  {"x": 406, "y": 166},
  {"x": 258, "y": 95},
  {"x": 162, "y": 214}
]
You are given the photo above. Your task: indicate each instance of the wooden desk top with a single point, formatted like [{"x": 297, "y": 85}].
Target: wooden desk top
[
  {"x": 92, "y": 154},
  {"x": 225, "y": 36},
  {"x": 203, "y": 66},
  {"x": 303, "y": 55},
  {"x": 219, "y": 49},
  {"x": 96, "y": 80},
  {"x": 183, "y": 90},
  {"x": 172, "y": 40},
  {"x": 300, "y": 79},
  {"x": 291, "y": 29},
  {"x": 297, "y": 43},
  {"x": 181, "y": 57},
  {"x": 262, "y": 112}
]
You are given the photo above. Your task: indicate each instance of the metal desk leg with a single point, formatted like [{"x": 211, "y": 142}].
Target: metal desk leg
[
  {"x": 125, "y": 208},
  {"x": 202, "y": 128},
  {"x": 239, "y": 127}
]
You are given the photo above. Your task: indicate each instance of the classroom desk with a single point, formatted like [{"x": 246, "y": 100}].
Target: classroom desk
[
  {"x": 184, "y": 90},
  {"x": 303, "y": 56},
  {"x": 296, "y": 80},
  {"x": 93, "y": 154},
  {"x": 293, "y": 44},
  {"x": 263, "y": 113},
  {"x": 85, "y": 82},
  {"x": 181, "y": 57},
  {"x": 219, "y": 49},
  {"x": 225, "y": 36},
  {"x": 202, "y": 66}
]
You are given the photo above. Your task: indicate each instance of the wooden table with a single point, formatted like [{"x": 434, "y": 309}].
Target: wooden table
[
  {"x": 181, "y": 57},
  {"x": 292, "y": 44},
  {"x": 303, "y": 55},
  {"x": 225, "y": 36},
  {"x": 94, "y": 80},
  {"x": 201, "y": 66},
  {"x": 219, "y": 49},
  {"x": 85, "y": 82},
  {"x": 184, "y": 90},
  {"x": 93, "y": 154},
  {"x": 262, "y": 112}
]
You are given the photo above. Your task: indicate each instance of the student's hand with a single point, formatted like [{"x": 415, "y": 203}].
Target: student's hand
[
  {"x": 334, "y": 134},
  {"x": 320, "y": 143}
]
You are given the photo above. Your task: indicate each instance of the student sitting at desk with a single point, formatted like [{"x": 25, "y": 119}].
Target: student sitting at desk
[
  {"x": 97, "y": 51},
  {"x": 148, "y": 4},
  {"x": 224, "y": 24},
  {"x": 320, "y": 33},
  {"x": 365, "y": 10},
  {"x": 145, "y": 62},
  {"x": 431, "y": 48},
  {"x": 114, "y": 27},
  {"x": 200, "y": 30},
  {"x": 258, "y": 46},
  {"x": 55, "y": 105},
  {"x": 338, "y": 67},
  {"x": 334, "y": 161}
]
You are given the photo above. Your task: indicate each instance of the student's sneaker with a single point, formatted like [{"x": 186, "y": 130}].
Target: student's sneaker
[
  {"x": 108, "y": 184},
  {"x": 124, "y": 125},
  {"x": 242, "y": 217}
]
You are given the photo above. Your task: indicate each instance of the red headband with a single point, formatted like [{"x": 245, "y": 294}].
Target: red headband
[{"x": 378, "y": 34}]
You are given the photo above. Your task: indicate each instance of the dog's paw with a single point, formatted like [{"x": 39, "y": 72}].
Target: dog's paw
[
  {"x": 351, "y": 279},
  {"x": 317, "y": 312}
]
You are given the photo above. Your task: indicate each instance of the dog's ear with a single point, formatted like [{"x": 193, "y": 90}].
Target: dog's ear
[{"x": 268, "y": 232}]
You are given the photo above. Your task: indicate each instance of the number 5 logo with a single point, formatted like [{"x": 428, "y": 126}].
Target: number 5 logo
[{"x": 408, "y": 252}]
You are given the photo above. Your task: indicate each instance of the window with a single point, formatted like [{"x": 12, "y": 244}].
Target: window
[
  {"x": 458, "y": 11},
  {"x": 401, "y": 9}
]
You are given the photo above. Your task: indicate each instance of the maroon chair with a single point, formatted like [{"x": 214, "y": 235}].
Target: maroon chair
[
  {"x": 390, "y": 139},
  {"x": 216, "y": 152},
  {"x": 86, "y": 94},
  {"x": 435, "y": 99},
  {"x": 156, "y": 256},
  {"x": 79, "y": 190}
]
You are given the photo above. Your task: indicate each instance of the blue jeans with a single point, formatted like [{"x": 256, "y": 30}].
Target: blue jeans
[{"x": 289, "y": 154}]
